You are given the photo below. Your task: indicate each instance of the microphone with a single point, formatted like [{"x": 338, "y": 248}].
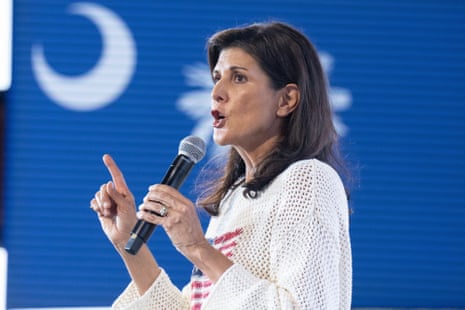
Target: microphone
[{"x": 191, "y": 150}]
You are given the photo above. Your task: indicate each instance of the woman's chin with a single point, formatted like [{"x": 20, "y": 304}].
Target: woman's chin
[{"x": 219, "y": 139}]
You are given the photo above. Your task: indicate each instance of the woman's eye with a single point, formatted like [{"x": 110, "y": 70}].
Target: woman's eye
[
  {"x": 240, "y": 78},
  {"x": 215, "y": 79}
]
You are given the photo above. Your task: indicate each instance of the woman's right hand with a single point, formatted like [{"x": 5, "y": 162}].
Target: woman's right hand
[{"x": 115, "y": 206}]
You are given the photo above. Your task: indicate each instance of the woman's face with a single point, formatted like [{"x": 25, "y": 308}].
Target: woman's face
[{"x": 244, "y": 105}]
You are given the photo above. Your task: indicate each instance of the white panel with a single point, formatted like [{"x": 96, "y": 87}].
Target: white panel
[{"x": 6, "y": 16}]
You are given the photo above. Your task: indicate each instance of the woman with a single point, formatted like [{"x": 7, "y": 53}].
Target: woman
[{"x": 278, "y": 237}]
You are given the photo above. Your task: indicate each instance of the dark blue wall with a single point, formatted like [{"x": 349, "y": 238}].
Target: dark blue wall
[{"x": 397, "y": 71}]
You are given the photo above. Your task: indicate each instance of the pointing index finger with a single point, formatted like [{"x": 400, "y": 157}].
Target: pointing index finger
[{"x": 116, "y": 174}]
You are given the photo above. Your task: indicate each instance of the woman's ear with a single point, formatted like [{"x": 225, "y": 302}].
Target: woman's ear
[{"x": 289, "y": 100}]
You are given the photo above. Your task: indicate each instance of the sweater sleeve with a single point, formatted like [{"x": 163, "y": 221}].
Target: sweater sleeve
[
  {"x": 161, "y": 295},
  {"x": 310, "y": 250}
]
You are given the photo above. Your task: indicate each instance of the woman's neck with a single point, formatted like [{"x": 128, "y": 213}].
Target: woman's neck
[{"x": 253, "y": 158}]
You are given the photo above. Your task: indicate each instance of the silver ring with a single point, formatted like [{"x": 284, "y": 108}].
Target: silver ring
[{"x": 163, "y": 211}]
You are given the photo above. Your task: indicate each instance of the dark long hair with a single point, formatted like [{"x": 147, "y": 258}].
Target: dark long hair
[{"x": 286, "y": 56}]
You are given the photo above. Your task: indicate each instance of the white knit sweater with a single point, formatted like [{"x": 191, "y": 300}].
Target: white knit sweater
[{"x": 290, "y": 248}]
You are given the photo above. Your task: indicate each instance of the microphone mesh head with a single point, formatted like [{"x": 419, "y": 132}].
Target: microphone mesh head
[{"x": 193, "y": 148}]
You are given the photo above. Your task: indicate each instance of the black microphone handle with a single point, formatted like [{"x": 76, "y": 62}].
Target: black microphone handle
[{"x": 174, "y": 177}]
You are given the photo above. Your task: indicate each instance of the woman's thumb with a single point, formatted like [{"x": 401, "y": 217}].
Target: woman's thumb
[
  {"x": 119, "y": 198},
  {"x": 116, "y": 175}
]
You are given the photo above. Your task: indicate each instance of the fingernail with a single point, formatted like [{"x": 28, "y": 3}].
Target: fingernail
[{"x": 110, "y": 184}]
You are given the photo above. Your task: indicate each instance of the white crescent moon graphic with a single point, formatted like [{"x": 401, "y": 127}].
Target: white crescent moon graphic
[{"x": 107, "y": 80}]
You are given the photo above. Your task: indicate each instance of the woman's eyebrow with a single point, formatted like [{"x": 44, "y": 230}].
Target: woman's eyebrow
[
  {"x": 232, "y": 68},
  {"x": 238, "y": 67}
]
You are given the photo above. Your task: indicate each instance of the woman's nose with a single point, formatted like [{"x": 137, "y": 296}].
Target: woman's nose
[{"x": 219, "y": 92}]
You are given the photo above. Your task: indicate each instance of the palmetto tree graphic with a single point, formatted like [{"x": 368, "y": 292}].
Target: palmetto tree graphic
[{"x": 196, "y": 103}]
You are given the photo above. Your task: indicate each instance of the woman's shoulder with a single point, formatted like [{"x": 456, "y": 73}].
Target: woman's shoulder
[
  {"x": 314, "y": 186},
  {"x": 305, "y": 178},
  {"x": 310, "y": 170}
]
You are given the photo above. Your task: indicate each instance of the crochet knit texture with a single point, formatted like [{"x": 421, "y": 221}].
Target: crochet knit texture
[{"x": 290, "y": 247}]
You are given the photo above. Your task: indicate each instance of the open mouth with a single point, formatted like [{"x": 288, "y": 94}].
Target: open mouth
[
  {"x": 217, "y": 115},
  {"x": 219, "y": 119}
]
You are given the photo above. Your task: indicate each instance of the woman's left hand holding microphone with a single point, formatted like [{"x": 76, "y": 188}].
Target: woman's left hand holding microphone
[{"x": 167, "y": 207}]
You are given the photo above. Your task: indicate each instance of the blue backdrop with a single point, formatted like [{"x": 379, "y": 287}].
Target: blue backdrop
[{"x": 130, "y": 79}]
